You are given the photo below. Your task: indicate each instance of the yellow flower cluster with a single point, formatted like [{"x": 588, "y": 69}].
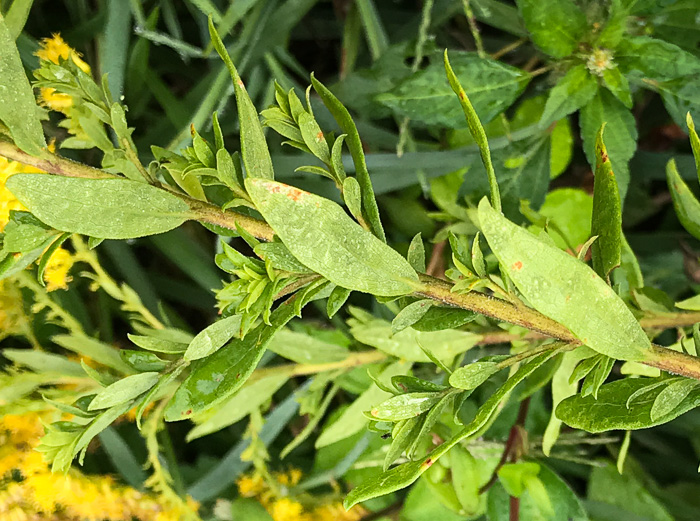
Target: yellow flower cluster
[
  {"x": 12, "y": 316},
  {"x": 54, "y": 50},
  {"x": 56, "y": 272},
  {"x": 29, "y": 491},
  {"x": 284, "y": 508}
]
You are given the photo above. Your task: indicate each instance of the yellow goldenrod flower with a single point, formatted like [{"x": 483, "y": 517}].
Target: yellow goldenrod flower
[
  {"x": 337, "y": 512},
  {"x": 251, "y": 485},
  {"x": 41, "y": 495},
  {"x": 55, "y": 48},
  {"x": 289, "y": 478},
  {"x": 57, "y": 268},
  {"x": 286, "y": 509}
]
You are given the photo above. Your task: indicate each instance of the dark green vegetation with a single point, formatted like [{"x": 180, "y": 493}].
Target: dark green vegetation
[{"x": 494, "y": 247}]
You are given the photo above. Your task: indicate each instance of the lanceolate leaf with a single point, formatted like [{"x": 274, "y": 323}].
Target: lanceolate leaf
[
  {"x": 570, "y": 93},
  {"x": 220, "y": 375},
  {"x": 610, "y": 411},
  {"x": 347, "y": 125},
  {"x": 403, "y": 475},
  {"x": 426, "y": 96},
  {"x": 254, "y": 151},
  {"x": 685, "y": 203},
  {"x": 323, "y": 237},
  {"x": 104, "y": 208},
  {"x": 18, "y": 109},
  {"x": 555, "y": 26},
  {"x": 560, "y": 287},
  {"x": 607, "y": 214},
  {"x": 621, "y": 134}
]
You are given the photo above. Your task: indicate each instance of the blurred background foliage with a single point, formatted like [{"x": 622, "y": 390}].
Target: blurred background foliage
[{"x": 541, "y": 97}]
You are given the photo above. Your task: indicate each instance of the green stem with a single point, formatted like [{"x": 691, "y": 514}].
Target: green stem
[{"x": 432, "y": 288}]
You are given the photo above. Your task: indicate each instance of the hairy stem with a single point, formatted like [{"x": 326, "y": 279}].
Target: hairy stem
[{"x": 432, "y": 288}]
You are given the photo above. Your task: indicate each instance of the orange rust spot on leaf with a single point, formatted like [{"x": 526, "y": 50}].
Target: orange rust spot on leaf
[
  {"x": 517, "y": 266},
  {"x": 188, "y": 412},
  {"x": 375, "y": 412},
  {"x": 192, "y": 129},
  {"x": 604, "y": 156},
  {"x": 427, "y": 463},
  {"x": 462, "y": 95},
  {"x": 319, "y": 136}
]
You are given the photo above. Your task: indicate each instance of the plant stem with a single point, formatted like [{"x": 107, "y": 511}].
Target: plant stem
[
  {"x": 292, "y": 370},
  {"x": 432, "y": 288}
]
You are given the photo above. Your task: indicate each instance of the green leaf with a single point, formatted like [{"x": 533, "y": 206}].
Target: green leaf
[
  {"x": 416, "y": 253},
  {"x": 353, "y": 197},
  {"x": 476, "y": 129},
  {"x": 621, "y": 132},
  {"x": 248, "y": 399},
  {"x": 643, "y": 56},
  {"x": 25, "y": 233},
  {"x": 248, "y": 509},
  {"x": 141, "y": 361},
  {"x": 573, "y": 91},
  {"x": 438, "y": 318},
  {"x": 563, "y": 502},
  {"x": 41, "y": 362},
  {"x": 405, "y": 406},
  {"x": 159, "y": 345},
  {"x": 91, "y": 348},
  {"x": 473, "y": 375},
  {"x": 445, "y": 345},
  {"x": 313, "y": 137},
  {"x": 123, "y": 390},
  {"x": 254, "y": 151},
  {"x": 213, "y": 337},
  {"x": 336, "y": 300},
  {"x": 556, "y": 26},
  {"x": 403, "y": 475},
  {"x": 610, "y": 412},
  {"x": 560, "y": 286},
  {"x": 617, "y": 83},
  {"x": 671, "y": 396},
  {"x": 632, "y": 498},
  {"x": 352, "y": 139},
  {"x": 304, "y": 348},
  {"x": 561, "y": 388},
  {"x": 403, "y": 435},
  {"x": 685, "y": 203},
  {"x": 323, "y": 237},
  {"x": 17, "y": 15},
  {"x": 466, "y": 479},
  {"x": 606, "y": 222},
  {"x": 221, "y": 374},
  {"x": 352, "y": 420},
  {"x": 426, "y": 96},
  {"x": 694, "y": 141},
  {"x": 104, "y": 208},
  {"x": 410, "y": 315},
  {"x": 18, "y": 108}
]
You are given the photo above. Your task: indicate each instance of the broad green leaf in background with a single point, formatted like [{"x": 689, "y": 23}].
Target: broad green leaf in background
[
  {"x": 684, "y": 201},
  {"x": 323, "y": 237},
  {"x": 104, "y": 208},
  {"x": 606, "y": 222},
  {"x": 426, "y": 96},
  {"x": 681, "y": 96},
  {"x": 406, "y": 344},
  {"x": 573, "y": 91},
  {"x": 621, "y": 134},
  {"x": 556, "y": 26},
  {"x": 643, "y": 56},
  {"x": 570, "y": 209},
  {"x": 352, "y": 419},
  {"x": 563, "y": 502},
  {"x": 16, "y": 16},
  {"x": 254, "y": 151},
  {"x": 626, "y": 492},
  {"x": 304, "y": 348},
  {"x": 249, "y": 398},
  {"x": 610, "y": 412},
  {"x": 18, "y": 108},
  {"x": 562, "y": 388},
  {"x": 560, "y": 286}
]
